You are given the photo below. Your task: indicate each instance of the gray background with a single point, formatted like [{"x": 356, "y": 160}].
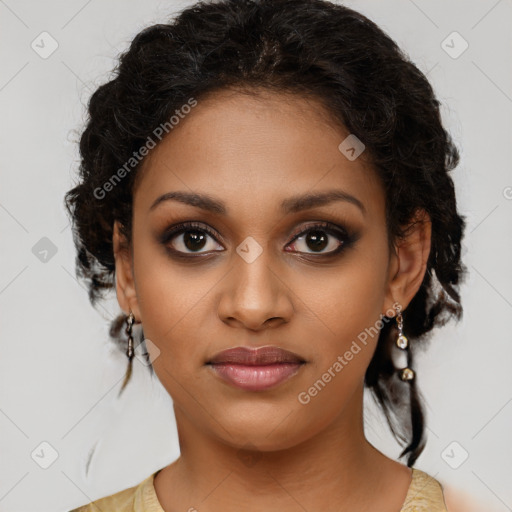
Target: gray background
[{"x": 59, "y": 375}]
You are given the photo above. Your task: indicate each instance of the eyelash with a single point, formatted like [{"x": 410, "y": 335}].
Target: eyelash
[{"x": 343, "y": 235}]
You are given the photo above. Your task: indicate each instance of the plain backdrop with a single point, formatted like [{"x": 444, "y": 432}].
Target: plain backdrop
[{"x": 65, "y": 436}]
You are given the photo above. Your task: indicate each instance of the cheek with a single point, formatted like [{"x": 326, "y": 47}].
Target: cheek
[
  {"x": 348, "y": 320},
  {"x": 170, "y": 296},
  {"x": 346, "y": 303},
  {"x": 346, "y": 324}
]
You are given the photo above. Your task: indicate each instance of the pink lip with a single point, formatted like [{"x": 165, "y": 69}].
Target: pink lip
[
  {"x": 256, "y": 378},
  {"x": 255, "y": 369}
]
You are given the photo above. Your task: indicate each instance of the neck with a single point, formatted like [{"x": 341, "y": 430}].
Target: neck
[{"x": 213, "y": 475}]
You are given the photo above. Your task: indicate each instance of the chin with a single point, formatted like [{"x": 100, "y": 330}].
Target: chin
[{"x": 266, "y": 429}]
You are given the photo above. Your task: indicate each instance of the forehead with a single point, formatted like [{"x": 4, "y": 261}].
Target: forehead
[{"x": 255, "y": 145}]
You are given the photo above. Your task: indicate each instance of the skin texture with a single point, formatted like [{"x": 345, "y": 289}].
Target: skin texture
[{"x": 265, "y": 449}]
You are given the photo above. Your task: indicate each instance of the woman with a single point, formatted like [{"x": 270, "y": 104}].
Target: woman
[{"x": 266, "y": 185}]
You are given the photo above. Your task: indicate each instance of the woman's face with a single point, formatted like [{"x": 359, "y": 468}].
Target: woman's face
[{"x": 240, "y": 276}]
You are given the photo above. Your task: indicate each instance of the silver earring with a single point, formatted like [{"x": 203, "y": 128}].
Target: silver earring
[{"x": 406, "y": 374}]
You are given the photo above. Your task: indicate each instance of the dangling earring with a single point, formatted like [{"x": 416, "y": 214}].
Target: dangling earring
[
  {"x": 130, "y": 352},
  {"x": 402, "y": 343},
  {"x": 129, "y": 321}
]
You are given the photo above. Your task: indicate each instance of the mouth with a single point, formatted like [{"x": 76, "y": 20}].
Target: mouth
[{"x": 255, "y": 369}]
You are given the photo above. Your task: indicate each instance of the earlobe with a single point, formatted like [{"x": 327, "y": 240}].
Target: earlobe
[
  {"x": 410, "y": 262},
  {"x": 125, "y": 285}
]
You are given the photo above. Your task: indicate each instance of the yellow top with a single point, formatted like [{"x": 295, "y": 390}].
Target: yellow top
[{"x": 425, "y": 494}]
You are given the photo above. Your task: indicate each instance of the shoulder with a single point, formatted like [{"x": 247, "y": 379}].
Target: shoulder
[
  {"x": 139, "y": 498},
  {"x": 425, "y": 494}
]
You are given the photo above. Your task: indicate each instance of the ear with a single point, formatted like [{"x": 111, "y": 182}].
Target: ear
[
  {"x": 408, "y": 263},
  {"x": 125, "y": 282}
]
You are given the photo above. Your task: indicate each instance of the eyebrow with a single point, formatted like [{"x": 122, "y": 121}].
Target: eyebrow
[{"x": 290, "y": 205}]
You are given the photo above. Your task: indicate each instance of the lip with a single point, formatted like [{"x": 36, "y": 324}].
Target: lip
[
  {"x": 248, "y": 356},
  {"x": 255, "y": 369}
]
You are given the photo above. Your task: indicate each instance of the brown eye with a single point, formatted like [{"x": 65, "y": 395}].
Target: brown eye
[
  {"x": 194, "y": 240},
  {"x": 317, "y": 240},
  {"x": 190, "y": 238},
  {"x": 321, "y": 239}
]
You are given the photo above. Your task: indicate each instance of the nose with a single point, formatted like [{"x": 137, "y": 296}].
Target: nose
[{"x": 254, "y": 296}]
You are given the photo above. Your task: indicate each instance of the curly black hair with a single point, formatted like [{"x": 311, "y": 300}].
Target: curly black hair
[{"x": 313, "y": 48}]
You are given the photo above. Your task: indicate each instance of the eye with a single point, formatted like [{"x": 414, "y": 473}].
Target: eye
[
  {"x": 321, "y": 238},
  {"x": 190, "y": 238},
  {"x": 194, "y": 239}
]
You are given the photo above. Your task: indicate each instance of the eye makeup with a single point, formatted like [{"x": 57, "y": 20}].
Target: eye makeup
[{"x": 198, "y": 233}]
